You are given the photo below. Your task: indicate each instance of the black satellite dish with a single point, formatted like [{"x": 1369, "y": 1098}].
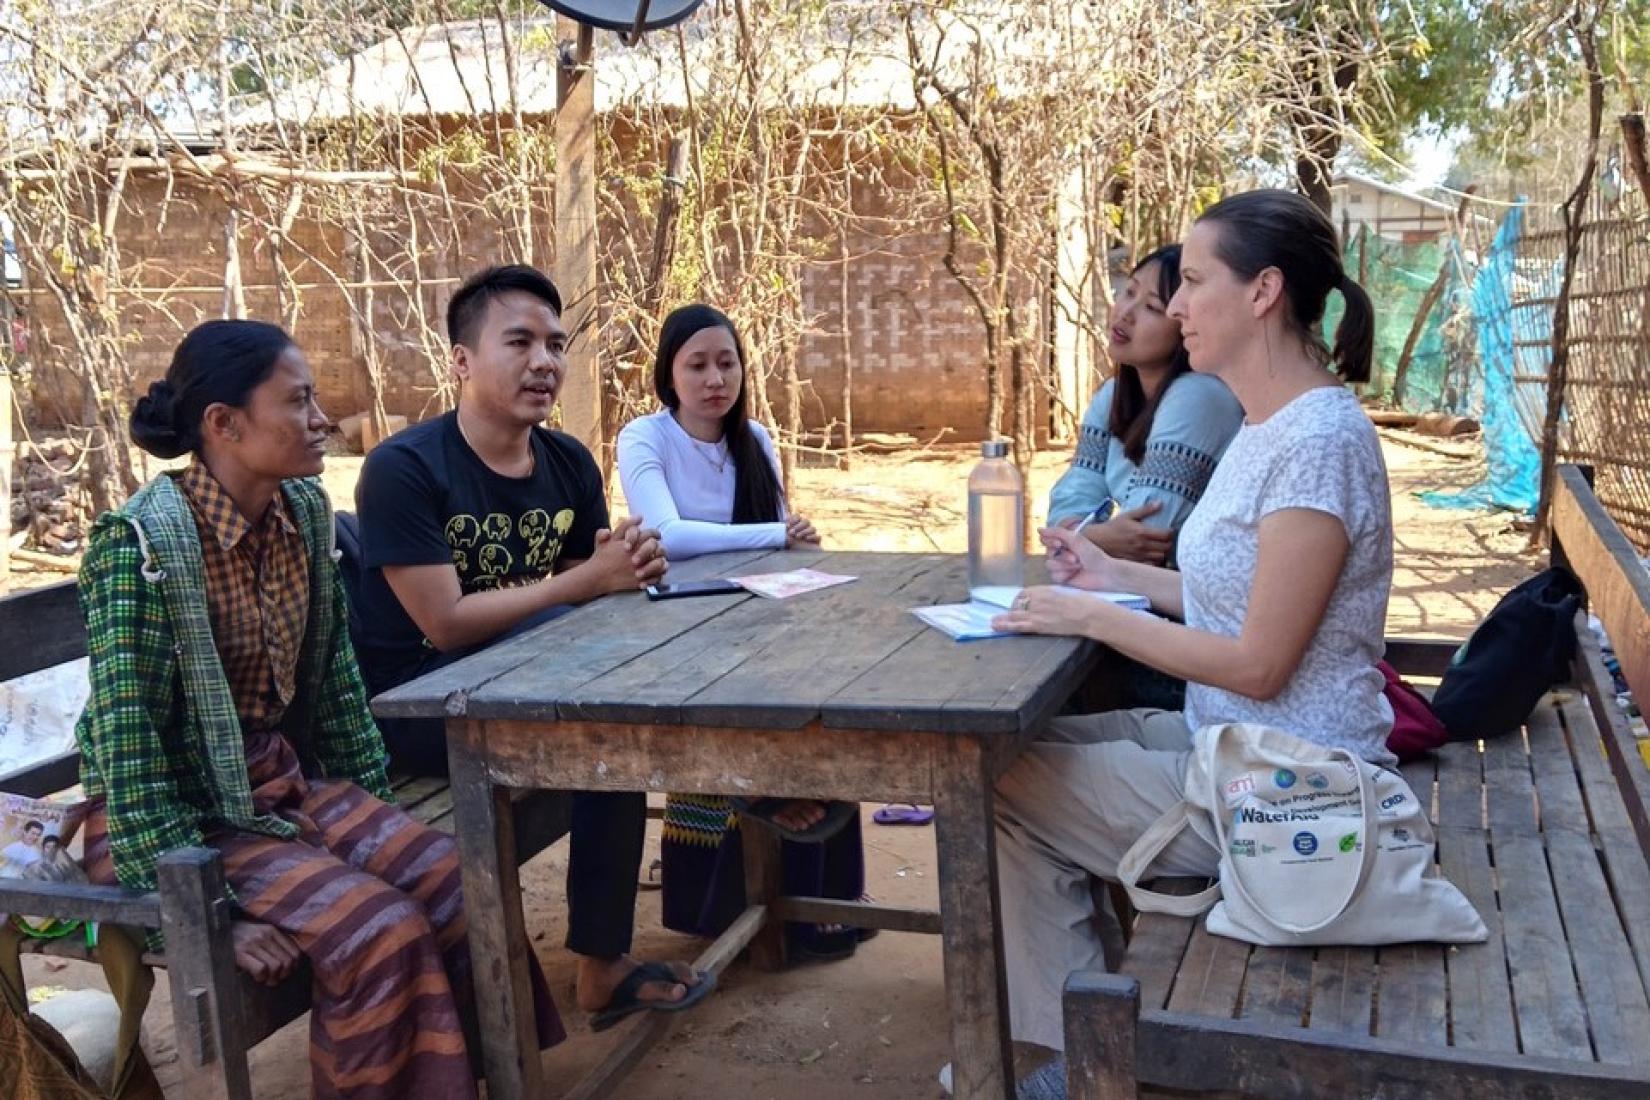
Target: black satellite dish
[{"x": 630, "y": 17}]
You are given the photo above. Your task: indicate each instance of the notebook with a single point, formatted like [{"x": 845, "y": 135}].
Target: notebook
[{"x": 971, "y": 621}]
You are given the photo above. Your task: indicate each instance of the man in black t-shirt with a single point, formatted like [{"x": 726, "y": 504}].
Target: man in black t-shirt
[
  {"x": 478, "y": 525},
  {"x": 441, "y": 525}
]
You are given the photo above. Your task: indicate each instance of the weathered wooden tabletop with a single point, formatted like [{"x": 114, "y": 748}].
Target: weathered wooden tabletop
[
  {"x": 838, "y": 693},
  {"x": 850, "y": 656}
]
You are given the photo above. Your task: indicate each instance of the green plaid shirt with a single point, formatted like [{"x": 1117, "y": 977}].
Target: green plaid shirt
[
  {"x": 257, "y": 596},
  {"x": 160, "y": 738}
]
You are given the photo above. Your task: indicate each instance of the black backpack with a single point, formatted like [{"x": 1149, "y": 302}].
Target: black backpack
[{"x": 1523, "y": 648}]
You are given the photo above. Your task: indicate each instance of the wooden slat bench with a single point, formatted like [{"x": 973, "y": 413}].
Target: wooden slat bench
[
  {"x": 219, "y": 1014},
  {"x": 1544, "y": 829}
]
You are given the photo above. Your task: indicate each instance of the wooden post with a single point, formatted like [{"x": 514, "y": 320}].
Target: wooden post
[
  {"x": 484, "y": 818},
  {"x": 763, "y": 886},
  {"x": 1575, "y": 219},
  {"x": 575, "y": 267},
  {"x": 1101, "y": 1013},
  {"x": 982, "y": 1055},
  {"x": 200, "y": 957},
  {"x": 5, "y": 460}
]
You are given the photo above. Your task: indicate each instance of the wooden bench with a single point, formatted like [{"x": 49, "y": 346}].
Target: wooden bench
[
  {"x": 1544, "y": 829},
  {"x": 219, "y": 1014}
]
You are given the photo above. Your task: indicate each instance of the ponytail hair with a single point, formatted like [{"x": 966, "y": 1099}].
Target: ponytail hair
[
  {"x": 218, "y": 363},
  {"x": 1274, "y": 228},
  {"x": 1354, "y": 350},
  {"x": 757, "y": 497}
]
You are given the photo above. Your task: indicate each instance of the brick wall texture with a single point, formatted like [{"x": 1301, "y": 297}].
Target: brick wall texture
[{"x": 916, "y": 345}]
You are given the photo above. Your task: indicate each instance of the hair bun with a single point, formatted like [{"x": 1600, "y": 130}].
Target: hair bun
[{"x": 154, "y": 422}]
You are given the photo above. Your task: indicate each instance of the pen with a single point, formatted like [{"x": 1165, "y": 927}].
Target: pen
[
  {"x": 1104, "y": 512},
  {"x": 1101, "y": 513}
]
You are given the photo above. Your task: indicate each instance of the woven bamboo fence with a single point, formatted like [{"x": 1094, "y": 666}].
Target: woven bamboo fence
[{"x": 1606, "y": 420}]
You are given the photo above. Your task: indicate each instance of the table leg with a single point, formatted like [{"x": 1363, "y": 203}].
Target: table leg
[
  {"x": 763, "y": 885},
  {"x": 982, "y": 1055},
  {"x": 498, "y": 939}
]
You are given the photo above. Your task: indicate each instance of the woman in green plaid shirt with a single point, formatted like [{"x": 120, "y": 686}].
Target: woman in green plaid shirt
[{"x": 227, "y": 711}]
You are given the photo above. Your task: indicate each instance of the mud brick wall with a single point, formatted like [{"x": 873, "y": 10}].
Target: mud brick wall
[{"x": 916, "y": 344}]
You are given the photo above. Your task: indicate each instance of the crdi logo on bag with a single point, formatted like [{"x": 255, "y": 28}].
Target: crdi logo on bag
[{"x": 1305, "y": 843}]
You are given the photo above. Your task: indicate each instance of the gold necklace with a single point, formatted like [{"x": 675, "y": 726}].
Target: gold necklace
[{"x": 711, "y": 453}]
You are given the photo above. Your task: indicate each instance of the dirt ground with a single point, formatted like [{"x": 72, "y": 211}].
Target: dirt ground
[{"x": 872, "y": 1027}]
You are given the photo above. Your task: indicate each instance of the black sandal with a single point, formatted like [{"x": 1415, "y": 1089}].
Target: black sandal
[
  {"x": 764, "y": 810},
  {"x": 834, "y": 945},
  {"x": 626, "y": 999}
]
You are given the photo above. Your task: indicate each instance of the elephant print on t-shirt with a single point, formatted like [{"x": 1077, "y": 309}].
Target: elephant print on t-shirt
[
  {"x": 497, "y": 551},
  {"x": 544, "y": 536},
  {"x": 463, "y": 535}
]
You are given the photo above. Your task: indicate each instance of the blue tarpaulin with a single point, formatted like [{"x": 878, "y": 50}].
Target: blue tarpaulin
[{"x": 1512, "y": 343}]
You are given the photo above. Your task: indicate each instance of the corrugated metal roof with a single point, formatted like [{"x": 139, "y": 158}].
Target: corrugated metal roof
[{"x": 1344, "y": 178}]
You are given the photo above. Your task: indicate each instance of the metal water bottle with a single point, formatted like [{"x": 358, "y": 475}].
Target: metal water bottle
[{"x": 996, "y": 536}]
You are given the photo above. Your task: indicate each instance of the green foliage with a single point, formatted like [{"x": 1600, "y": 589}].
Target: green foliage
[{"x": 1493, "y": 68}]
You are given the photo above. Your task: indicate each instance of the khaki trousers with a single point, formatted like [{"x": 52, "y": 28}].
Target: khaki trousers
[{"x": 1069, "y": 807}]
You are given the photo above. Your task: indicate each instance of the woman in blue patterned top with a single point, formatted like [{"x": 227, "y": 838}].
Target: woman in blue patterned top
[{"x": 1153, "y": 434}]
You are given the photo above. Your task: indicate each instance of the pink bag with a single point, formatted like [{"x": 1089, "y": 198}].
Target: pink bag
[{"x": 1416, "y": 731}]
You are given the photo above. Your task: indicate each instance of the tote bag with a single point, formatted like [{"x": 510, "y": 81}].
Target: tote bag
[{"x": 1317, "y": 847}]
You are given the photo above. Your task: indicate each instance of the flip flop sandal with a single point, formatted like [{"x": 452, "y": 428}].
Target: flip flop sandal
[
  {"x": 837, "y": 816},
  {"x": 902, "y": 813},
  {"x": 653, "y": 880},
  {"x": 626, "y": 995}
]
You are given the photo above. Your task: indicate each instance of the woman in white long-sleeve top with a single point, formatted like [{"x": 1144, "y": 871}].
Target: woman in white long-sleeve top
[{"x": 705, "y": 476}]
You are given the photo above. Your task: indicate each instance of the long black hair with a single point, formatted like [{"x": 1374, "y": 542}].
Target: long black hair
[
  {"x": 1272, "y": 228},
  {"x": 218, "y": 363},
  {"x": 757, "y": 497},
  {"x": 1132, "y": 411}
]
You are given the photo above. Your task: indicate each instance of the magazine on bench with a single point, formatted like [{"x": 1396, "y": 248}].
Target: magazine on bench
[
  {"x": 39, "y": 842},
  {"x": 971, "y": 621}
]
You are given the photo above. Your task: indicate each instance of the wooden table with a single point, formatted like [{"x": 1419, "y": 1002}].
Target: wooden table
[{"x": 834, "y": 694}]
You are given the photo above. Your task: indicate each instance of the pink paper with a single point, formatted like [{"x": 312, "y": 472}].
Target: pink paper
[{"x": 792, "y": 582}]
